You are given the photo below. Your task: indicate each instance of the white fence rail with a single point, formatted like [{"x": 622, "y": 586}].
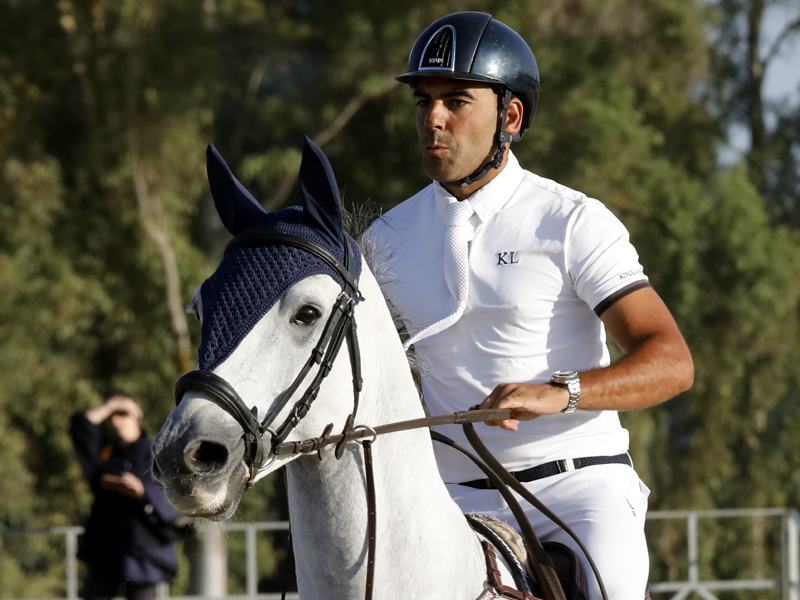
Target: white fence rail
[{"x": 788, "y": 582}]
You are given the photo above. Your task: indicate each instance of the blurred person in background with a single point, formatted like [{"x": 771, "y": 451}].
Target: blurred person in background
[{"x": 129, "y": 537}]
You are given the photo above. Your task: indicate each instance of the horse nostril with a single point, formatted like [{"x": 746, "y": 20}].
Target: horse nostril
[{"x": 205, "y": 456}]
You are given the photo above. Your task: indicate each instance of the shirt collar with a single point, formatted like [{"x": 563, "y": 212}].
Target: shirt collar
[{"x": 491, "y": 197}]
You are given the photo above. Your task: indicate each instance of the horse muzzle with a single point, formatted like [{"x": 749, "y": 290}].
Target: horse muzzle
[{"x": 199, "y": 458}]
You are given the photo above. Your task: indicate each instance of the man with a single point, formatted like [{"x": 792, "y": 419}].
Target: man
[
  {"x": 131, "y": 528},
  {"x": 505, "y": 281}
]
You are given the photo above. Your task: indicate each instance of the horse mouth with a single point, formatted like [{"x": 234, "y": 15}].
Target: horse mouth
[{"x": 213, "y": 498}]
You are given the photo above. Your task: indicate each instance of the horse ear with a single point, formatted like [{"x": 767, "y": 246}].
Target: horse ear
[
  {"x": 321, "y": 201},
  {"x": 236, "y": 206}
]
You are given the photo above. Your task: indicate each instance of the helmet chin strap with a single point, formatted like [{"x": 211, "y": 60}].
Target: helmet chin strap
[{"x": 503, "y": 139}]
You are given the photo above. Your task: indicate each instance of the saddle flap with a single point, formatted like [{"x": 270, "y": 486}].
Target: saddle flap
[{"x": 509, "y": 543}]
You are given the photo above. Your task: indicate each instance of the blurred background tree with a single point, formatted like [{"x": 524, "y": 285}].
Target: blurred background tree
[{"x": 106, "y": 107}]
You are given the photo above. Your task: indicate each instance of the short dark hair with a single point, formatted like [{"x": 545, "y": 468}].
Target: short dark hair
[{"x": 117, "y": 392}]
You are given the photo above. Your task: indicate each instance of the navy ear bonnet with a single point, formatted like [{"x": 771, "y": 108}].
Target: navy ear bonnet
[{"x": 251, "y": 278}]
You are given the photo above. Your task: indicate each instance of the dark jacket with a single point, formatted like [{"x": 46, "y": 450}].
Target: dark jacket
[{"x": 124, "y": 536}]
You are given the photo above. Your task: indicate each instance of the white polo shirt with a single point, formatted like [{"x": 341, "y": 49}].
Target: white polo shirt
[{"x": 543, "y": 259}]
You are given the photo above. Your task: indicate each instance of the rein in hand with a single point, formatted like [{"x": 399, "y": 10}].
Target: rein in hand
[{"x": 359, "y": 433}]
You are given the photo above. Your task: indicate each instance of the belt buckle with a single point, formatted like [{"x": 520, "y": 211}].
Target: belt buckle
[{"x": 569, "y": 464}]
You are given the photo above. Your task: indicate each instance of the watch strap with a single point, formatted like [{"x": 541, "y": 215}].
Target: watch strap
[{"x": 571, "y": 380}]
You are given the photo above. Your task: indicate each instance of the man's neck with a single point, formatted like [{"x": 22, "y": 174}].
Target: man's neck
[{"x": 462, "y": 193}]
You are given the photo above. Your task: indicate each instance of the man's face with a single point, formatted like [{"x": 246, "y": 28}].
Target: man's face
[
  {"x": 456, "y": 124},
  {"x": 125, "y": 420}
]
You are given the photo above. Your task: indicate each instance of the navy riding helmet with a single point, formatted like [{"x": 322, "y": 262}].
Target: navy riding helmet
[{"x": 473, "y": 46}]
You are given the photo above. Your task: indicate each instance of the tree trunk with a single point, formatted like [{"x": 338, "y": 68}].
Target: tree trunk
[
  {"x": 756, "y": 158},
  {"x": 154, "y": 222}
]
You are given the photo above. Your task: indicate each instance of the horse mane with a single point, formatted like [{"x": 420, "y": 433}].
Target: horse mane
[{"x": 357, "y": 221}]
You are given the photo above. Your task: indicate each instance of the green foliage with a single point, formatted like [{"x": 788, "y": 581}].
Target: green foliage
[{"x": 738, "y": 307}]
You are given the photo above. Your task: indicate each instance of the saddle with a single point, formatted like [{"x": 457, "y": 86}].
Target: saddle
[{"x": 509, "y": 543}]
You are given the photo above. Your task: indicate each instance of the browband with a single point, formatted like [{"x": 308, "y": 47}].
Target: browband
[{"x": 255, "y": 238}]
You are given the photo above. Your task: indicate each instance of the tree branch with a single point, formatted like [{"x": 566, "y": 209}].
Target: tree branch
[
  {"x": 248, "y": 102},
  {"x": 154, "y": 223},
  {"x": 324, "y": 137},
  {"x": 773, "y": 51},
  {"x": 753, "y": 93}
]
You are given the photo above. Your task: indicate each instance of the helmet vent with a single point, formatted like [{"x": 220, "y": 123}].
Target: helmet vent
[{"x": 440, "y": 50}]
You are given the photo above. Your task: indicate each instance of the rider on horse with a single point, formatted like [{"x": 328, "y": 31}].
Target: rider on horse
[{"x": 506, "y": 282}]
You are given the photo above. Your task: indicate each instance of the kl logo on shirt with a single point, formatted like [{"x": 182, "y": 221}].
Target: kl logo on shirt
[{"x": 507, "y": 258}]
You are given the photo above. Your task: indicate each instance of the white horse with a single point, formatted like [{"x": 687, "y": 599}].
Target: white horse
[{"x": 425, "y": 547}]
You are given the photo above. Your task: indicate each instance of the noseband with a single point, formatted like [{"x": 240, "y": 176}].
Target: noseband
[{"x": 341, "y": 325}]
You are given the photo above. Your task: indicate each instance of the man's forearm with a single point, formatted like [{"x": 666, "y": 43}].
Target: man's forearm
[
  {"x": 657, "y": 366},
  {"x": 98, "y": 414},
  {"x": 655, "y": 371}
]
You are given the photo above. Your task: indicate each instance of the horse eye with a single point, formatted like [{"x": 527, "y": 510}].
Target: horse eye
[{"x": 307, "y": 315}]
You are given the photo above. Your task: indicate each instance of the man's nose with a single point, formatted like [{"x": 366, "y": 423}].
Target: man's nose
[{"x": 435, "y": 118}]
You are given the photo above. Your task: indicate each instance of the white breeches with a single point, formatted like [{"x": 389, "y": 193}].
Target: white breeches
[{"x": 605, "y": 505}]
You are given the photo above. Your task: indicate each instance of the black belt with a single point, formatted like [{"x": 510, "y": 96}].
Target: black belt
[{"x": 553, "y": 468}]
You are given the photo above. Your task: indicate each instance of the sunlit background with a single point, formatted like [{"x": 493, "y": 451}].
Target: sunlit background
[{"x": 682, "y": 116}]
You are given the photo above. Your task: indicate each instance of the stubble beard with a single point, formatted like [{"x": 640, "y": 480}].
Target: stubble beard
[
  {"x": 454, "y": 164},
  {"x": 440, "y": 169}
]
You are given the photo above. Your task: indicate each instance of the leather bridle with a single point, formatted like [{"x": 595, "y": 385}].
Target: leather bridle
[{"x": 340, "y": 326}]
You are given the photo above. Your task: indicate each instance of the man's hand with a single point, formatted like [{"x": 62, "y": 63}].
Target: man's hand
[
  {"x": 127, "y": 485},
  {"x": 526, "y": 401},
  {"x": 117, "y": 404}
]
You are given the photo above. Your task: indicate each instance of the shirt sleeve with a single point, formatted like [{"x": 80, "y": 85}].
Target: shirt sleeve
[
  {"x": 87, "y": 440},
  {"x": 602, "y": 262}
]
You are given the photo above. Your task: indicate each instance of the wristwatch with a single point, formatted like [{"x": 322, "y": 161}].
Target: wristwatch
[{"x": 572, "y": 382}]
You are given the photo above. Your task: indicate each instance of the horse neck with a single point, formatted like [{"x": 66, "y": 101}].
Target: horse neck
[{"x": 424, "y": 545}]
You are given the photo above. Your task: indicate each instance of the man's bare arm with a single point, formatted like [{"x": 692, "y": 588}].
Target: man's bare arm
[{"x": 657, "y": 366}]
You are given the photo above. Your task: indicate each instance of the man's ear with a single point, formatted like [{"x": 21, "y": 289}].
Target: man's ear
[{"x": 514, "y": 119}]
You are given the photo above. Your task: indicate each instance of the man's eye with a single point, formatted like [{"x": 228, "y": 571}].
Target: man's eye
[{"x": 307, "y": 315}]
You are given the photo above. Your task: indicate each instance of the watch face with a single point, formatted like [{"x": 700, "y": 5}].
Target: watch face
[{"x": 564, "y": 375}]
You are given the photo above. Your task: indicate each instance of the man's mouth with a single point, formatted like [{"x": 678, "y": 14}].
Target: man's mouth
[{"x": 435, "y": 148}]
